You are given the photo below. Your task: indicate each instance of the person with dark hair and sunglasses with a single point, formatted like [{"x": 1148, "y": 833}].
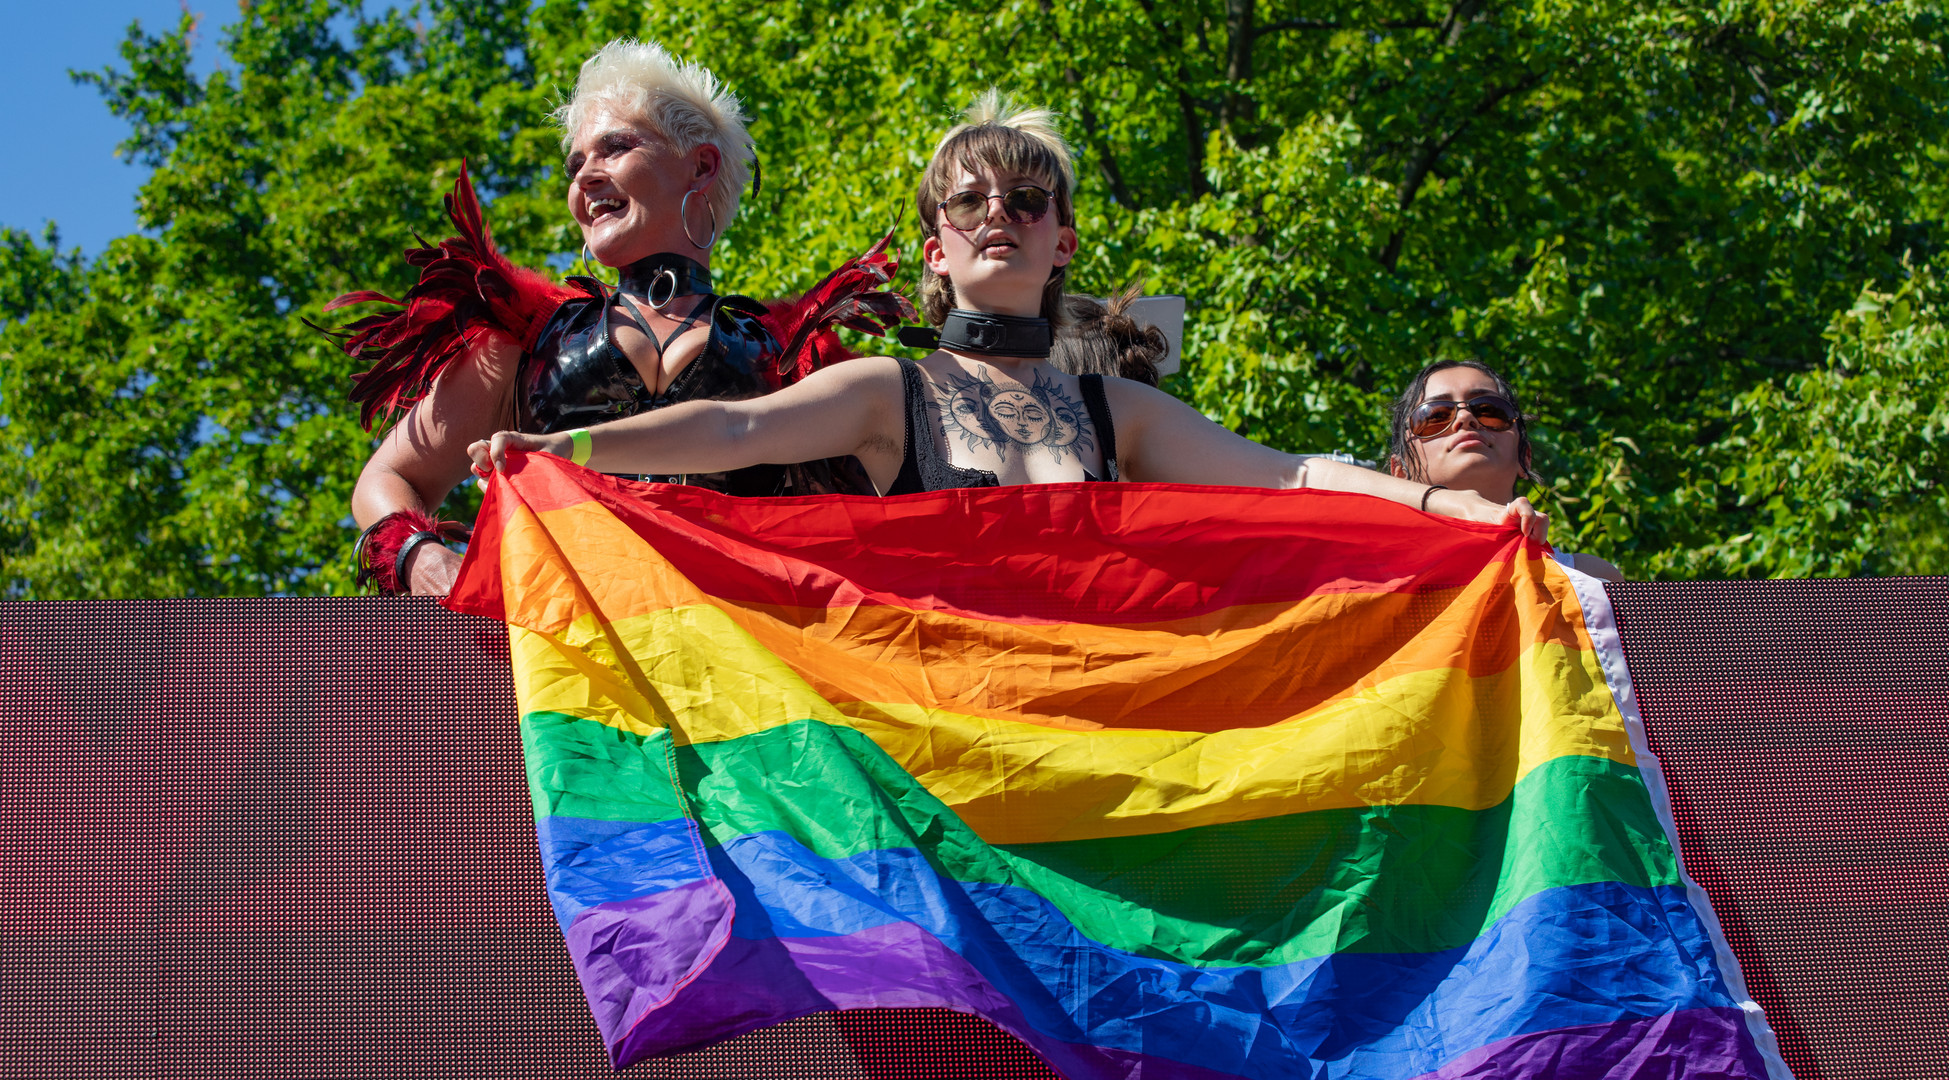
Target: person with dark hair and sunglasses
[
  {"x": 1459, "y": 426},
  {"x": 985, "y": 407}
]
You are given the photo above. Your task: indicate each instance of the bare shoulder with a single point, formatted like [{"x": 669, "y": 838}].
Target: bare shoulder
[
  {"x": 1128, "y": 397},
  {"x": 493, "y": 355},
  {"x": 862, "y": 399},
  {"x": 860, "y": 369},
  {"x": 865, "y": 390},
  {"x": 490, "y": 361},
  {"x": 1139, "y": 407},
  {"x": 1596, "y": 567},
  {"x": 876, "y": 376},
  {"x": 475, "y": 394}
]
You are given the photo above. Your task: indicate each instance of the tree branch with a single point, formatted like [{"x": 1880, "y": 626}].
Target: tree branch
[
  {"x": 1322, "y": 24},
  {"x": 1106, "y": 158},
  {"x": 1106, "y": 162},
  {"x": 1423, "y": 161},
  {"x": 1457, "y": 18},
  {"x": 1194, "y": 128},
  {"x": 1236, "y": 108}
]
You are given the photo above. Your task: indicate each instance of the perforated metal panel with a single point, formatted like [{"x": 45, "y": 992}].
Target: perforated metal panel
[
  {"x": 292, "y": 839},
  {"x": 1804, "y": 731}
]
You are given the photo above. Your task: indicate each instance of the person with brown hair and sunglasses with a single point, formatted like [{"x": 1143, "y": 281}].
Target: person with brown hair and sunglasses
[
  {"x": 984, "y": 408},
  {"x": 1459, "y": 426}
]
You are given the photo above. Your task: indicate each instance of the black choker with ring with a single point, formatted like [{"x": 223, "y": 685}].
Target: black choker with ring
[
  {"x": 980, "y": 332},
  {"x": 663, "y": 277}
]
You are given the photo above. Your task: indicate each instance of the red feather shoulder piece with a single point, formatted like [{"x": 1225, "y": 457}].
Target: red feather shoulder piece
[
  {"x": 466, "y": 288},
  {"x": 852, "y": 296}
]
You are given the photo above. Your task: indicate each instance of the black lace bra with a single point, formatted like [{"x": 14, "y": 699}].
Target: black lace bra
[{"x": 924, "y": 468}]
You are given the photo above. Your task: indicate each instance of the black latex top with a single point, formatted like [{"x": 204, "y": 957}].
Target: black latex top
[{"x": 576, "y": 376}]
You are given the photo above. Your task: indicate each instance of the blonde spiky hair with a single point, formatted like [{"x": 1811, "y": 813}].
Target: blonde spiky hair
[
  {"x": 1000, "y": 134},
  {"x": 682, "y": 102}
]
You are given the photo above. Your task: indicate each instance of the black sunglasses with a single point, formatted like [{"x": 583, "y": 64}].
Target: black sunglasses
[
  {"x": 1023, "y": 205},
  {"x": 1437, "y": 417}
]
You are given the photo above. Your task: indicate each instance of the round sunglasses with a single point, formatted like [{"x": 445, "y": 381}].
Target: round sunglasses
[
  {"x": 1024, "y": 205},
  {"x": 1439, "y": 416}
]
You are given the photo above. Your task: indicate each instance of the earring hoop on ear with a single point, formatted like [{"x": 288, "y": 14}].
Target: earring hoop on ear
[
  {"x": 589, "y": 263},
  {"x": 683, "y": 214}
]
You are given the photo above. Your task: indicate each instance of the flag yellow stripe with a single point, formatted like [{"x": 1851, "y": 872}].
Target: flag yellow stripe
[{"x": 1431, "y": 737}]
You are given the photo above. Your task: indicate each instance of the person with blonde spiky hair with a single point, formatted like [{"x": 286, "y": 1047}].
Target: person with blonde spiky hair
[
  {"x": 635, "y": 94},
  {"x": 985, "y": 407},
  {"x": 657, "y": 159}
]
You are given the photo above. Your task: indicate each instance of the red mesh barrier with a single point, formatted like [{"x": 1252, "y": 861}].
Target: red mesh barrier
[
  {"x": 1804, "y": 731},
  {"x": 292, "y": 839}
]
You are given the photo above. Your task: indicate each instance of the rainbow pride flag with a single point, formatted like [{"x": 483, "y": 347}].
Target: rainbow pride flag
[{"x": 1168, "y": 782}]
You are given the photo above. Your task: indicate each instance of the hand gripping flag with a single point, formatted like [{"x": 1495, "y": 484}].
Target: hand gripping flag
[{"x": 1168, "y": 782}]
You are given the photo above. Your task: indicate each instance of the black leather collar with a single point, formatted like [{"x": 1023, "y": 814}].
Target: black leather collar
[
  {"x": 663, "y": 277},
  {"x": 980, "y": 332}
]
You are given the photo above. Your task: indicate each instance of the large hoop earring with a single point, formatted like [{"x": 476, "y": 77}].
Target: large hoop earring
[
  {"x": 683, "y": 214},
  {"x": 589, "y": 263}
]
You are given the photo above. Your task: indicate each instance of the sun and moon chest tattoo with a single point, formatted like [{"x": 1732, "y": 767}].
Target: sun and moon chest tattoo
[{"x": 1042, "y": 417}]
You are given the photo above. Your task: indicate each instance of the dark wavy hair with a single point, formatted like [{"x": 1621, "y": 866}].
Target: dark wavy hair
[
  {"x": 1407, "y": 450},
  {"x": 1104, "y": 340}
]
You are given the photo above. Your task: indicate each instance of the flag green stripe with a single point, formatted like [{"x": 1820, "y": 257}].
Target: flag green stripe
[{"x": 1270, "y": 891}]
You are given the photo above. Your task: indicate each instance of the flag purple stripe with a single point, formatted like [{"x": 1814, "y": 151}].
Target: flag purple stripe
[
  {"x": 758, "y": 979},
  {"x": 1696, "y": 1044},
  {"x": 635, "y": 956},
  {"x": 754, "y": 984},
  {"x": 757, "y": 983}
]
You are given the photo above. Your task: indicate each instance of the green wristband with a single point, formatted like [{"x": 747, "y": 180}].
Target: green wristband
[{"x": 579, "y": 446}]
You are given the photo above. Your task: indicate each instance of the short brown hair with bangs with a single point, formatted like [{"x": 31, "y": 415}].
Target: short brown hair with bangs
[{"x": 1005, "y": 137}]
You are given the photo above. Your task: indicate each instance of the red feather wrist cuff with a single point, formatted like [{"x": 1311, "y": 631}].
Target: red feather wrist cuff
[{"x": 384, "y": 547}]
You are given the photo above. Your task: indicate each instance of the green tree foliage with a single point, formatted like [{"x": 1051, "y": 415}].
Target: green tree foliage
[
  {"x": 1840, "y": 470},
  {"x": 1701, "y": 237}
]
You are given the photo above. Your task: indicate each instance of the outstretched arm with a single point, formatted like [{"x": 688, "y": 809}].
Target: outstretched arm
[
  {"x": 1161, "y": 438},
  {"x": 850, "y": 408}
]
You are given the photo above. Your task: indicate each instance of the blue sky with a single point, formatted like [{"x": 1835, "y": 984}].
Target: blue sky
[{"x": 60, "y": 138}]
